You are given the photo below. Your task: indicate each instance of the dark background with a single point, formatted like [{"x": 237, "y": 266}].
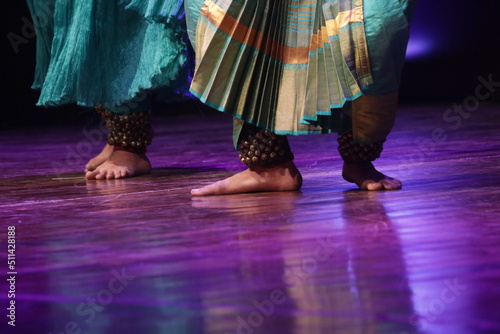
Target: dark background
[{"x": 453, "y": 43}]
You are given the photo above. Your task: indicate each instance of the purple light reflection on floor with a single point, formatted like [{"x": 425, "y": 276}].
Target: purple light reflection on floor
[{"x": 142, "y": 256}]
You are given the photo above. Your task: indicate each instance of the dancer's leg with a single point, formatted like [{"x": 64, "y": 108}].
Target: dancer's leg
[{"x": 372, "y": 121}]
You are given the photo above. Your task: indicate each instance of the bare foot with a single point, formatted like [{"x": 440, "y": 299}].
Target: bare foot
[
  {"x": 121, "y": 164},
  {"x": 99, "y": 159},
  {"x": 285, "y": 177},
  {"x": 367, "y": 177}
]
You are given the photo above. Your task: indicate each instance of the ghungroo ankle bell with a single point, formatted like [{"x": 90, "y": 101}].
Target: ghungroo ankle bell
[
  {"x": 353, "y": 152},
  {"x": 131, "y": 132},
  {"x": 263, "y": 148}
]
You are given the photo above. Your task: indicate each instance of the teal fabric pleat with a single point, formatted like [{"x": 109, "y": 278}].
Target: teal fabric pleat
[
  {"x": 108, "y": 52},
  {"x": 42, "y": 13},
  {"x": 158, "y": 10},
  {"x": 387, "y": 33}
]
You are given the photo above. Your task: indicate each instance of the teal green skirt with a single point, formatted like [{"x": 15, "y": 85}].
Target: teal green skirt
[
  {"x": 290, "y": 66},
  {"x": 107, "y": 52}
]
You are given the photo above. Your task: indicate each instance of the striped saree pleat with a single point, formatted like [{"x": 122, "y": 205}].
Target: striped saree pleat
[{"x": 280, "y": 64}]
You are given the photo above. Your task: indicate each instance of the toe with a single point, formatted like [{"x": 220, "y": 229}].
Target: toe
[
  {"x": 90, "y": 175},
  {"x": 371, "y": 185},
  {"x": 100, "y": 175},
  {"x": 391, "y": 184},
  {"x": 212, "y": 189},
  {"x": 119, "y": 174},
  {"x": 203, "y": 191},
  {"x": 374, "y": 186},
  {"x": 123, "y": 173}
]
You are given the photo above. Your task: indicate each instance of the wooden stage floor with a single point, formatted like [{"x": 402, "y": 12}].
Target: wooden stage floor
[{"x": 142, "y": 256}]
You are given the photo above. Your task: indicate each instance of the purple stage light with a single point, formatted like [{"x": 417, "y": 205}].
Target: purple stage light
[{"x": 419, "y": 47}]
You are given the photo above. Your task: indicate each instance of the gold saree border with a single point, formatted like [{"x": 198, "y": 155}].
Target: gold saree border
[{"x": 289, "y": 55}]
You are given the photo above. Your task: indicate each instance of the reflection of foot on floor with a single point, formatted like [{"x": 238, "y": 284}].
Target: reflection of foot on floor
[
  {"x": 107, "y": 187},
  {"x": 121, "y": 164},
  {"x": 99, "y": 159},
  {"x": 256, "y": 203},
  {"x": 366, "y": 177},
  {"x": 285, "y": 177}
]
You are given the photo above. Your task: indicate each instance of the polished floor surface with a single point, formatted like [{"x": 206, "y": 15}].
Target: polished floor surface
[{"x": 142, "y": 256}]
